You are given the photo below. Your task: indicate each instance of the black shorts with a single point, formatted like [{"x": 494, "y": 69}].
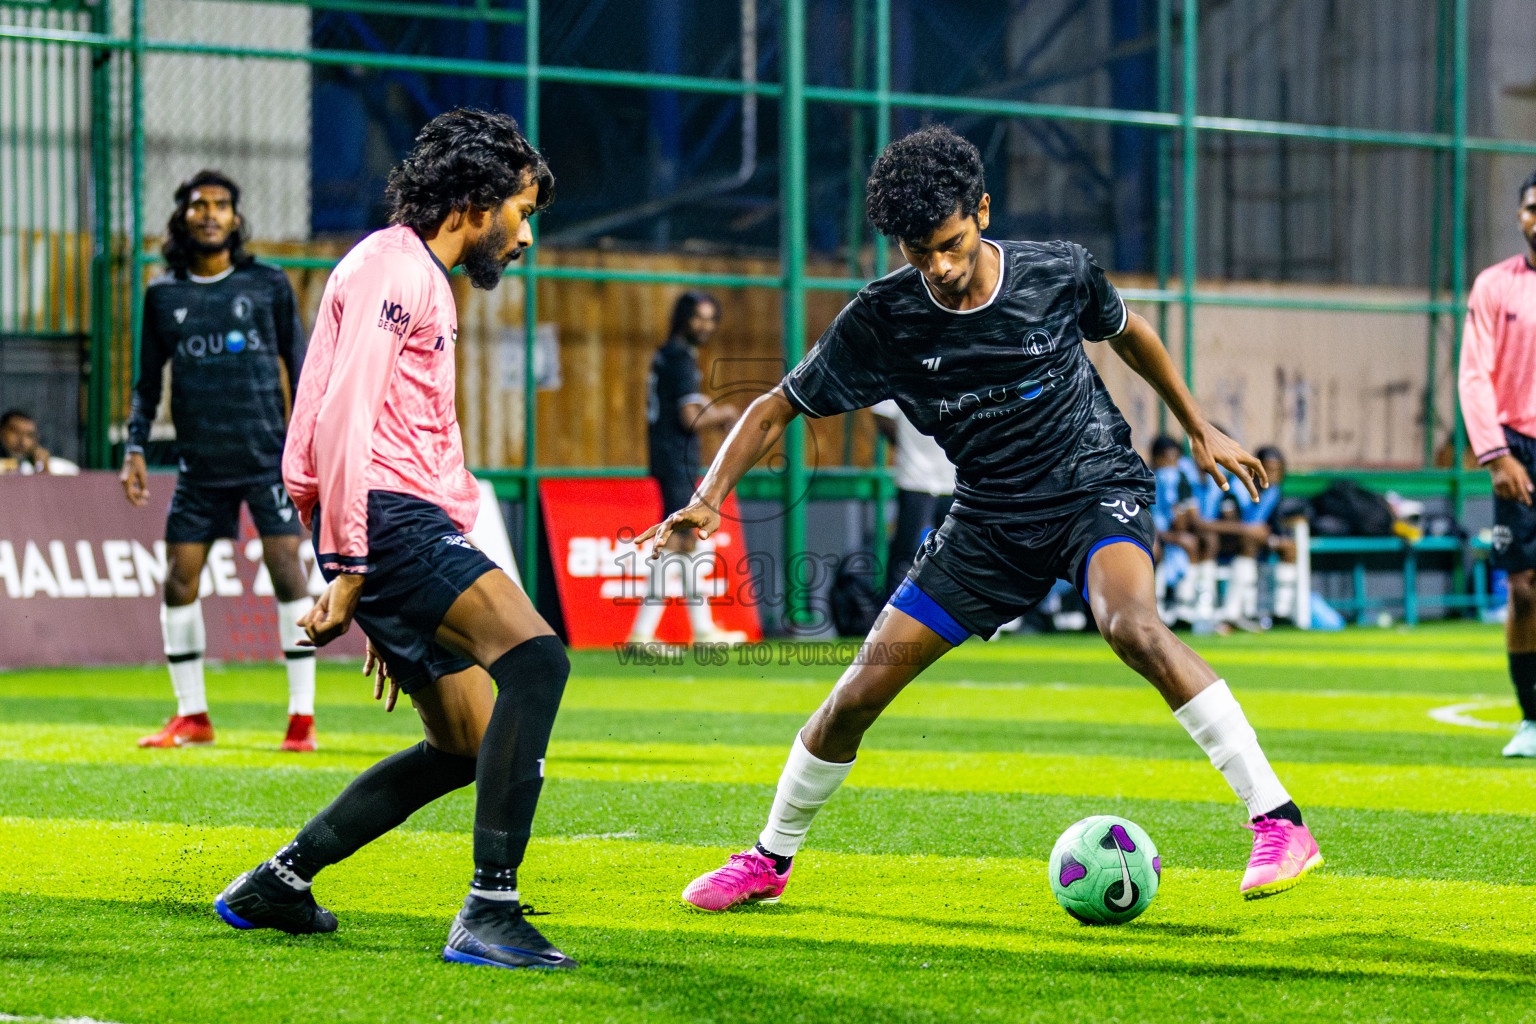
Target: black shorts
[
  {"x": 1514, "y": 524},
  {"x": 202, "y": 514},
  {"x": 677, "y": 486},
  {"x": 985, "y": 574},
  {"x": 418, "y": 565}
]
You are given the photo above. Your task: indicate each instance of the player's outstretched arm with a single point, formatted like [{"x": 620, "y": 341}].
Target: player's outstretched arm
[
  {"x": 1142, "y": 350},
  {"x": 758, "y": 430}
]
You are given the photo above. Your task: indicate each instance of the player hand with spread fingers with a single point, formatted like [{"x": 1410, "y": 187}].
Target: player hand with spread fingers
[
  {"x": 1498, "y": 402},
  {"x": 980, "y": 343},
  {"x": 373, "y": 660}
]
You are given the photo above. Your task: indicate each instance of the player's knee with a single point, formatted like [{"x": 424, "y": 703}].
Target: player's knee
[
  {"x": 1522, "y": 594},
  {"x": 179, "y": 592},
  {"x": 535, "y": 672},
  {"x": 1138, "y": 637}
]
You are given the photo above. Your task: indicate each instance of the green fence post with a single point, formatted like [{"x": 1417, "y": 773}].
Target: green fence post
[
  {"x": 882, "y": 110},
  {"x": 1458, "y": 230},
  {"x": 531, "y": 323},
  {"x": 99, "y": 386},
  {"x": 1164, "y": 258},
  {"x": 1191, "y": 184},
  {"x": 136, "y": 185},
  {"x": 792, "y": 266}
]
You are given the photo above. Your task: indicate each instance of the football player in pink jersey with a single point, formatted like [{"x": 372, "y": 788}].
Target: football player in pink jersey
[
  {"x": 375, "y": 463},
  {"x": 1498, "y": 402}
]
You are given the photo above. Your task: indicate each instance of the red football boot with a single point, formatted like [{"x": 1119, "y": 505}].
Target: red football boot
[
  {"x": 301, "y": 734},
  {"x": 182, "y": 731}
]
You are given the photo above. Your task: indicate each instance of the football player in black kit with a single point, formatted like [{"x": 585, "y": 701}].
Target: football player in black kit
[
  {"x": 229, "y": 326},
  {"x": 676, "y": 411},
  {"x": 981, "y": 345}
]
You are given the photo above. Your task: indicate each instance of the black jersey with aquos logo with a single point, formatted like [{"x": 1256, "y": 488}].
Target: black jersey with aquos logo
[
  {"x": 1005, "y": 388},
  {"x": 229, "y": 343}
]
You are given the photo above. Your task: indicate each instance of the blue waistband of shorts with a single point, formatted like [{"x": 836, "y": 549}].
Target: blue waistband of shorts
[
  {"x": 1106, "y": 542},
  {"x": 926, "y": 610}
]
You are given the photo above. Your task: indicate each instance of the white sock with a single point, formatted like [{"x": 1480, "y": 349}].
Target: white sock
[
  {"x": 697, "y": 600},
  {"x": 1205, "y": 588},
  {"x": 653, "y": 605},
  {"x": 1214, "y": 720},
  {"x": 301, "y": 660},
  {"x": 1242, "y": 588},
  {"x": 185, "y": 641},
  {"x": 287, "y": 876},
  {"x": 806, "y": 784},
  {"x": 496, "y": 895},
  {"x": 1285, "y": 590}
]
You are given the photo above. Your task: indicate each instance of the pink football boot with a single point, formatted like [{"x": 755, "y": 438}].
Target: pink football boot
[
  {"x": 1282, "y": 855},
  {"x": 747, "y": 877}
]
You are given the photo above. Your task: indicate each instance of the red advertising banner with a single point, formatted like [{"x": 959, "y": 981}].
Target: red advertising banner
[
  {"x": 601, "y": 576},
  {"x": 81, "y": 573}
]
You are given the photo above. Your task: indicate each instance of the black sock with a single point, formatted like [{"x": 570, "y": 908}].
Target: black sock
[
  {"x": 780, "y": 864},
  {"x": 530, "y": 679},
  {"x": 376, "y": 801},
  {"x": 1522, "y": 672},
  {"x": 1288, "y": 810}
]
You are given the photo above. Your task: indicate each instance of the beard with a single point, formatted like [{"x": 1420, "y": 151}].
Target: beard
[
  {"x": 483, "y": 261},
  {"x": 203, "y": 248}
]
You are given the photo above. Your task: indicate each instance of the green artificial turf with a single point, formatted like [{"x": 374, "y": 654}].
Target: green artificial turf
[{"x": 921, "y": 895}]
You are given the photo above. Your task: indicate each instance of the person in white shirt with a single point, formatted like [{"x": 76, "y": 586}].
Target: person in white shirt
[
  {"x": 925, "y": 488},
  {"x": 20, "y": 451}
]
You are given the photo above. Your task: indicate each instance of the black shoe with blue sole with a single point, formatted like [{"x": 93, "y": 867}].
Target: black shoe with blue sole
[
  {"x": 491, "y": 933},
  {"x": 259, "y": 899}
]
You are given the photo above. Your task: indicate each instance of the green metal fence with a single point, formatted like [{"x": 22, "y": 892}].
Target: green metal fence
[{"x": 116, "y": 156}]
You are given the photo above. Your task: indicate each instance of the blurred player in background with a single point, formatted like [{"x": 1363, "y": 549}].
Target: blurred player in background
[
  {"x": 1498, "y": 402},
  {"x": 925, "y": 488},
  {"x": 676, "y": 412},
  {"x": 229, "y": 327},
  {"x": 981, "y": 344},
  {"x": 376, "y": 463}
]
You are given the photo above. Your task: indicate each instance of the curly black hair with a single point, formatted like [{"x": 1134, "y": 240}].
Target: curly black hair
[
  {"x": 921, "y": 180},
  {"x": 1528, "y": 183},
  {"x": 465, "y": 158},
  {"x": 179, "y": 248}
]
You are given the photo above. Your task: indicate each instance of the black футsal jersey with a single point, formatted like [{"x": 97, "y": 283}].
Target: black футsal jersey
[
  {"x": 1005, "y": 388},
  {"x": 228, "y": 342}
]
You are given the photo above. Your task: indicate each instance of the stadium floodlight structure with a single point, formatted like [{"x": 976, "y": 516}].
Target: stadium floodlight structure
[{"x": 116, "y": 65}]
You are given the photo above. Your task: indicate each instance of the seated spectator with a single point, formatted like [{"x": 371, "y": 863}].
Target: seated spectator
[
  {"x": 21, "y": 453},
  {"x": 1240, "y": 529},
  {"x": 1179, "y": 542}
]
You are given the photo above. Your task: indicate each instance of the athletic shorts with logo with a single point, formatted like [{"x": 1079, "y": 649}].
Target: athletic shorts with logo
[
  {"x": 418, "y": 565},
  {"x": 985, "y": 574},
  {"x": 1514, "y": 524},
  {"x": 203, "y": 513}
]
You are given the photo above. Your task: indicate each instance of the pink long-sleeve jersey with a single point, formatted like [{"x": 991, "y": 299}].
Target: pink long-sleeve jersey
[
  {"x": 1498, "y": 357},
  {"x": 375, "y": 407}
]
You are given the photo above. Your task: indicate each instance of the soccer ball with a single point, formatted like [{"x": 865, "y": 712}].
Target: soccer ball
[{"x": 1105, "y": 870}]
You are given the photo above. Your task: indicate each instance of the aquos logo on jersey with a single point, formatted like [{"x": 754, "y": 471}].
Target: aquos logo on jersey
[
  {"x": 234, "y": 342},
  {"x": 1000, "y": 401},
  {"x": 395, "y": 318}
]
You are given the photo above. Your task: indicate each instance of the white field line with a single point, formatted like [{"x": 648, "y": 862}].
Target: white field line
[{"x": 1461, "y": 714}]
